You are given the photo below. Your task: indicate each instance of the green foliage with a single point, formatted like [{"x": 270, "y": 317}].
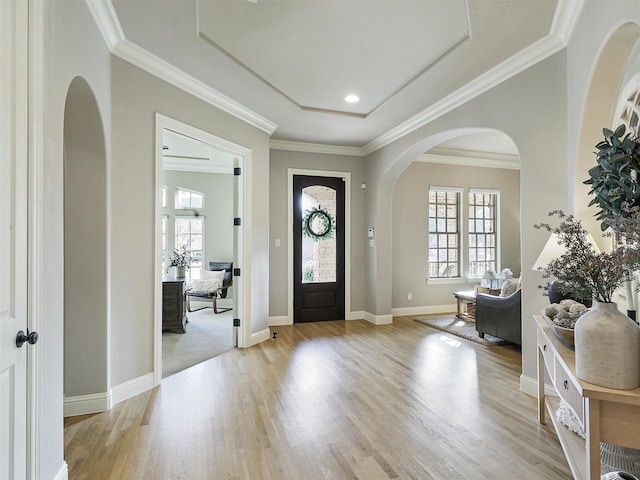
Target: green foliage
[
  {"x": 585, "y": 272},
  {"x": 181, "y": 257},
  {"x": 613, "y": 180},
  {"x": 318, "y": 224}
]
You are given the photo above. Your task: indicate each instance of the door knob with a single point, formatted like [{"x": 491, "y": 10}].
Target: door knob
[{"x": 22, "y": 338}]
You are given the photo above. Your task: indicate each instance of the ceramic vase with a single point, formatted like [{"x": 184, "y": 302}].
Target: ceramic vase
[
  {"x": 607, "y": 345},
  {"x": 181, "y": 272}
]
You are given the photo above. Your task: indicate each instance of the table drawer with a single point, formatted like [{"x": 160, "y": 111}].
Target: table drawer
[
  {"x": 568, "y": 390},
  {"x": 547, "y": 352}
]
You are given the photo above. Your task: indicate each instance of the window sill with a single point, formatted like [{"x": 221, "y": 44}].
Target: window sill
[{"x": 445, "y": 281}]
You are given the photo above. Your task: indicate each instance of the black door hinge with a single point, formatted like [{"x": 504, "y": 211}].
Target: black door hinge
[
  {"x": 237, "y": 222},
  {"x": 236, "y": 322},
  {"x": 237, "y": 171},
  {"x": 236, "y": 272}
]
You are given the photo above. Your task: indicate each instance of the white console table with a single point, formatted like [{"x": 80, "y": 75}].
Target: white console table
[{"x": 607, "y": 415}]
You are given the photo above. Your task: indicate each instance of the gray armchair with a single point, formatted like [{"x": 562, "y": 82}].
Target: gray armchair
[{"x": 500, "y": 316}]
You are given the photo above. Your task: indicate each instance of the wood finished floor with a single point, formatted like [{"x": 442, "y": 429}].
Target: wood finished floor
[{"x": 331, "y": 400}]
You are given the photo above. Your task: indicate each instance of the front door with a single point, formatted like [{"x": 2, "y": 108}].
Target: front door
[
  {"x": 319, "y": 253},
  {"x": 13, "y": 237}
]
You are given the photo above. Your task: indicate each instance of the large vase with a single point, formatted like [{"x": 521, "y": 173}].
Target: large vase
[
  {"x": 607, "y": 344},
  {"x": 181, "y": 272}
]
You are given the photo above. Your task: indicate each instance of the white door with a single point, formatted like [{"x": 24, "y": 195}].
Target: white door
[{"x": 13, "y": 237}]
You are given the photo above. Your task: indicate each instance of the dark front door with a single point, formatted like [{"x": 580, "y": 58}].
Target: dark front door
[{"x": 318, "y": 251}]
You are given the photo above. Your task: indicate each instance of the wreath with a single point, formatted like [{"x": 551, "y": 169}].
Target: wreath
[{"x": 318, "y": 224}]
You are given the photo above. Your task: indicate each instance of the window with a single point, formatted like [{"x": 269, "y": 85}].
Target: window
[
  {"x": 483, "y": 221},
  {"x": 444, "y": 232},
  {"x": 164, "y": 196},
  {"x": 188, "y": 199},
  {"x": 190, "y": 232}
]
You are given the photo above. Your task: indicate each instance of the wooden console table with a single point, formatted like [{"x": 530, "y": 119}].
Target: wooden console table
[{"x": 607, "y": 415}]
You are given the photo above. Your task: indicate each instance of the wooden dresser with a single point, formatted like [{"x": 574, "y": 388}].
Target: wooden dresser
[
  {"x": 174, "y": 306},
  {"x": 607, "y": 415}
]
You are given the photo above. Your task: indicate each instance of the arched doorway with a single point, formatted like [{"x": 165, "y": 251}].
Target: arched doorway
[{"x": 86, "y": 246}]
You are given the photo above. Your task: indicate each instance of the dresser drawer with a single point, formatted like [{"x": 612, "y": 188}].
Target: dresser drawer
[{"x": 568, "y": 390}]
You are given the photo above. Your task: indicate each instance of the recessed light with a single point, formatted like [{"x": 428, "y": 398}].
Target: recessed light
[{"x": 352, "y": 98}]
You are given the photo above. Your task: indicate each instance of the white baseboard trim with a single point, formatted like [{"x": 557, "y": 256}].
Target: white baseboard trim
[
  {"x": 282, "y": 320},
  {"x": 529, "y": 386},
  {"x": 258, "y": 337},
  {"x": 62, "y": 473},
  {"x": 378, "y": 319},
  {"x": 83, "y": 404},
  {"x": 356, "y": 315},
  {"x": 131, "y": 388},
  {"x": 424, "y": 310}
]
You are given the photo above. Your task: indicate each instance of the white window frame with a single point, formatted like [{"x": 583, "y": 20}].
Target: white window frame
[
  {"x": 461, "y": 248},
  {"x": 191, "y": 192},
  {"x": 164, "y": 196},
  {"x": 496, "y": 226},
  {"x": 189, "y": 272}
]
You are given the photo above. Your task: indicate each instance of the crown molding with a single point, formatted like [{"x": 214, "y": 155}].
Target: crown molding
[
  {"x": 107, "y": 20},
  {"x": 315, "y": 148},
  {"x": 509, "y": 162},
  {"x": 564, "y": 21}
]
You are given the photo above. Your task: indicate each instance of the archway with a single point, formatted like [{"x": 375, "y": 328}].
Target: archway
[
  {"x": 382, "y": 279},
  {"x": 86, "y": 267},
  {"x": 600, "y": 101}
]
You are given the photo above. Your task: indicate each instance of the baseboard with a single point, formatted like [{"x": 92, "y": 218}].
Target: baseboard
[
  {"x": 258, "y": 337},
  {"x": 277, "y": 321},
  {"x": 131, "y": 388},
  {"x": 378, "y": 319},
  {"x": 62, "y": 473},
  {"x": 529, "y": 386},
  {"x": 356, "y": 315},
  {"x": 83, "y": 404},
  {"x": 424, "y": 310}
]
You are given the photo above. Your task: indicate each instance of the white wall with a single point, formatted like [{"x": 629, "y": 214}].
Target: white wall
[{"x": 217, "y": 211}]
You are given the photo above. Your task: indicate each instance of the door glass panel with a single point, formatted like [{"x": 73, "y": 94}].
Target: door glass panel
[{"x": 318, "y": 234}]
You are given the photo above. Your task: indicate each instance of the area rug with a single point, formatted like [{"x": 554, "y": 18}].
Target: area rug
[
  {"x": 207, "y": 336},
  {"x": 459, "y": 327}
]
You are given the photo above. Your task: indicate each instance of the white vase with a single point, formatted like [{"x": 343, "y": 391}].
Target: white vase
[
  {"x": 607, "y": 344},
  {"x": 181, "y": 272}
]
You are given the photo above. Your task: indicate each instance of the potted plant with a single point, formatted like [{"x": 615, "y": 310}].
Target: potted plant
[
  {"x": 181, "y": 260},
  {"x": 613, "y": 181},
  {"x": 607, "y": 342}
]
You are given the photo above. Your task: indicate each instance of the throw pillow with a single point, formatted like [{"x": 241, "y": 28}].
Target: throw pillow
[
  {"x": 209, "y": 281},
  {"x": 509, "y": 286}
]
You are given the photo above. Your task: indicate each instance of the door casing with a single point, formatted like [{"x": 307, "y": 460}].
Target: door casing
[{"x": 347, "y": 235}]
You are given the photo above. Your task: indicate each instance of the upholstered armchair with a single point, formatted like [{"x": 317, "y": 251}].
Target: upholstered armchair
[{"x": 500, "y": 316}]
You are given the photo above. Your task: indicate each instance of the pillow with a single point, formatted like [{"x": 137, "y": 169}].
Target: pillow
[
  {"x": 509, "y": 286},
  {"x": 209, "y": 281},
  {"x": 205, "y": 285}
]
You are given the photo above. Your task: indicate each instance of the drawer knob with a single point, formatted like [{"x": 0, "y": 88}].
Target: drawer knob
[{"x": 565, "y": 384}]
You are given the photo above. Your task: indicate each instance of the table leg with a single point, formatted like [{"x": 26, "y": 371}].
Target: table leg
[{"x": 459, "y": 314}]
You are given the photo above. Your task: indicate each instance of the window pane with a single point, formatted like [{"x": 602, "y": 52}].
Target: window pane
[
  {"x": 482, "y": 228},
  {"x": 444, "y": 234},
  {"x": 319, "y": 253}
]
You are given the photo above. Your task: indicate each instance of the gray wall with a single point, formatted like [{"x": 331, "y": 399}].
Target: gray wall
[
  {"x": 137, "y": 96},
  {"x": 410, "y": 227},
  {"x": 217, "y": 211},
  {"x": 281, "y": 160},
  {"x": 73, "y": 47}
]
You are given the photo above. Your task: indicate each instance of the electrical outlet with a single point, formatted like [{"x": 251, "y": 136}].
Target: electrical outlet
[{"x": 409, "y": 296}]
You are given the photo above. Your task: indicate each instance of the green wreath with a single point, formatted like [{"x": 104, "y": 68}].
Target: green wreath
[{"x": 327, "y": 224}]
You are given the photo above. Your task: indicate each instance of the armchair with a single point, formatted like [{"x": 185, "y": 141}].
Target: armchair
[
  {"x": 213, "y": 296},
  {"x": 500, "y": 316}
]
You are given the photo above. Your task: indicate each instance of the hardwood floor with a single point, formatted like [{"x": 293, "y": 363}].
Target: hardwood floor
[{"x": 331, "y": 400}]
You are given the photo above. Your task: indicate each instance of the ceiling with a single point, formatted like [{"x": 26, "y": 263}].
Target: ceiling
[{"x": 290, "y": 63}]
